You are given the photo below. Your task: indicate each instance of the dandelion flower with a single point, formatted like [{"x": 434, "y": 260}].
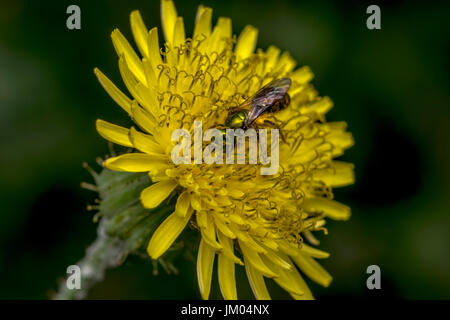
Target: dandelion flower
[{"x": 243, "y": 217}]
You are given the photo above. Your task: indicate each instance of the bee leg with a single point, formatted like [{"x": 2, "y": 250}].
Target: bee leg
[
  {"x": 270, "y": 124},
  {"x": 282, "y": 136},
  {"x": 273, "y": 125},
  {"x": 232, "y": 110}
]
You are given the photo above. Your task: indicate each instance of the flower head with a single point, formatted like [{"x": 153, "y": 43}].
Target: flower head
[{"x": 259, "y": 221}]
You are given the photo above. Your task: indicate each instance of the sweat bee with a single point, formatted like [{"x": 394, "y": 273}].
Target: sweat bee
[{"x": 271, "y": 98}]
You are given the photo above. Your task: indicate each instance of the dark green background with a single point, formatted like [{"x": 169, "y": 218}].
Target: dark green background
[{"x": 390, "y": 85}]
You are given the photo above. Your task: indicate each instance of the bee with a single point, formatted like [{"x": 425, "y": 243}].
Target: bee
[{"x": 273, "y": 97}]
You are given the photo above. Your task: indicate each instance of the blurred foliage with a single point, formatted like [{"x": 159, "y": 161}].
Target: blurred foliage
[{"x": 390, "y": 85}]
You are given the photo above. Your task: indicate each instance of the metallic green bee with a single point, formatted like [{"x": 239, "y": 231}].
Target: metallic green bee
[{"x": 270, "y": 98}]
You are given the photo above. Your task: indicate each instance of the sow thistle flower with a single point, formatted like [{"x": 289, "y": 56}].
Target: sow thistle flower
[{"x": 243, "y": 217}]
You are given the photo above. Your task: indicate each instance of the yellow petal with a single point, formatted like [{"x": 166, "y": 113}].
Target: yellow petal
[
  {"x": 226, "y": 272},
  {"x": 118, "y": 96},
  {"x": 202, "y": 27},
  {"x": 130, "y": 80},
  {"x": 251, "y": 256},
  {"x": 321, "y": 106},
  {"x": 249, "y": 241},
  {"x": 298, "y": 280},
  {"x": 338, "y": 137},
  {"x": 308, "y": 294},
  {"x": 312, "y": 269},
  {"x": 153, "y": 49},
  {"x": 178, "y": 33},
  {"x": 124, "y": 48},
  {"x": 202, "y": 219},
  {"x": 149, "y": 73},
  {"x": 338, "y": 175},
  {"x": 330, "y": 208},
  {"x": 152, "y": 196},
  {"x": 172, "y": 54},
  {"x": 140, "y": 32},
  {"x": 314, "y": 252},
  {"x": 227, "y": 248},
  {"x": 196, "y": 202},
  {"x": 295, "y": 277},
  {"x": 286, "y": 63},
  {"x": 113, "y": 133},
  {"x": 290, "y": 250},
  {"x": 144, "y": 119},
  {"x": 278, "y": 260},
  {"x": 133, "y": 162},
  {"x": 205, "y": 262},
  {"x": 256, "y": 282},
  {"x": 224, "y": 228},
  {"x": 341, "y": 140},
  {"x": 246, "y": 42},
  {"x": 221, "y": 32},
  {"x": 166, "y": 234},
  {"x": 287, "y": 279},
  {"x": 209, "y": 233},
  {"x": 168, "y": 18},
  {"x": 272, "y": 54},
  {"x": 183, "y": 204},
  {"x": 302, "y": 75},
  {"x": 145, "y": 143}
]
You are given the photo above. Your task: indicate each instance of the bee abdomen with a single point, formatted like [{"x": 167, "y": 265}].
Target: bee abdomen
[{"x": 281, "y": 104}]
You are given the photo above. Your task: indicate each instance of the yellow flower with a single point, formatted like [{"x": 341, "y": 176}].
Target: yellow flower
[{"x": 243, "y": 217}]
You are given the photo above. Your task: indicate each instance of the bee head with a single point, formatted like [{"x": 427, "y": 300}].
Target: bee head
[{"x": 236, "y": 119}]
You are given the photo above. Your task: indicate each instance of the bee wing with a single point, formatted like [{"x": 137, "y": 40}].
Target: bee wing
[{"x": 266, "y": 97}]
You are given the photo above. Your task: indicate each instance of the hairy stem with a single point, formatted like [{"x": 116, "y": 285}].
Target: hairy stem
[{"x": 104, "y": 253}]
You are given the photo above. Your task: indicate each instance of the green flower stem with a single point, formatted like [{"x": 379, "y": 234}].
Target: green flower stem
[
  {"x": 125, "y": 227},
  {"x": 104, "y": 253}
]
